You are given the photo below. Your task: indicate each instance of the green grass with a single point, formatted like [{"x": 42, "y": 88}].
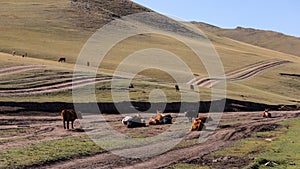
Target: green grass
[
  {"x": 48, "y": 151},
  {"x": 283, "y": 149},
  {"x": 16, "y": 131}
]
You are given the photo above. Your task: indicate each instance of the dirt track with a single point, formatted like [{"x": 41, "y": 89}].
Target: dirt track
[
  {"x": 236, "y": 126},
  {"x": 241, "y": 74},
  {"x": 49, "y": 82}
]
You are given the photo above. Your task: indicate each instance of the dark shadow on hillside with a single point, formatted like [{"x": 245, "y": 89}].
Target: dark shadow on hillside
[{"x": 54, "y": 108}]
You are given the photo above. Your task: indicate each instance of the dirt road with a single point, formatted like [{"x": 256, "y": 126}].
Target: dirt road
[{"x": 234, "y": 126}]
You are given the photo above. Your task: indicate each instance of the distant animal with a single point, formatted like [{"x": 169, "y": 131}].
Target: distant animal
[
  {"x": 13, "y": 53},
  {"x": 131, "y": 86},
  {"x": 62, "y": 60},
  {"x": 132, "y": 122},
  {"x": 177, "y": 88},
  {"x": 70, "y": 115},
  {"x": 191, "y": 114},
  {"x": 115, "y": 16},
  {"x": 192, "y": 87},
  {"x": 266, "y": 114}
]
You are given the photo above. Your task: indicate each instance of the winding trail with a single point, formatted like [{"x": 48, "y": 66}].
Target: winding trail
[{"x": 247, "y": 72}]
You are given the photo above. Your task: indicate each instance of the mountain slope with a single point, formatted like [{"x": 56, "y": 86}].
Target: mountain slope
[
  {"x": 267, "y": 39},
  {"x": 50, "y": 29},
  {"x": 37, "y": 27}
]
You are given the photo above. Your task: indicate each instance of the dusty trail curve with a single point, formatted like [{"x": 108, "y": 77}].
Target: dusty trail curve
[{"x": 238, "y": 75}]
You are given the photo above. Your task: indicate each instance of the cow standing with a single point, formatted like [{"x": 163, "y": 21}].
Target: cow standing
[
  {"x": 69, "y": 115},
  {"x": 62, "y": 60}
]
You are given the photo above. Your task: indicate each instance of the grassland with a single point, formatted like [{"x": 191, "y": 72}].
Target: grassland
[
  {"x": 280, "y": 146},
  {"x": 48, "y": 151},
  {"x": 49, "y": 30},
  {"x": 266, "y": 39},
  {"x": 283, "y": 148}
]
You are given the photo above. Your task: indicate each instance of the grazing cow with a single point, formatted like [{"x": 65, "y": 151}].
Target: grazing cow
[
  {"x": 62, "y": 60},
  {"x": 70, "y": 115},
  {"x": 133, "y": 122},
  {"x": 192, "y": 87},
  {"x": 266, "y": 114},
  {"x": 130, "y": 86},
  {"x": 177, "y": 88},
  {"x": 191, "y": 114}
]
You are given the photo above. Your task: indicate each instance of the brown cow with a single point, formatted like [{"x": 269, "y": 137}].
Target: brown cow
[
  {"x": 160, "y": 119},
  {"x": 70, "y": 115},
  {"x": 266, "y": 114},
  {"x": 198, "y": 123}
]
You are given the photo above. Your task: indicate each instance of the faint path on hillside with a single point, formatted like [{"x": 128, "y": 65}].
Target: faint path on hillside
[
  {"x": 19, "y": 69},
  {"x": 36, "y": 86},
  {"x": 247, "y": 72}
]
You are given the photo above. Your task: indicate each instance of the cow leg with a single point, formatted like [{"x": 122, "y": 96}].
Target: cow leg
[
  {"x": 64, "y": 124},
  {"x": 67, "y": 124},
  {"x": 72, "y": 122}
]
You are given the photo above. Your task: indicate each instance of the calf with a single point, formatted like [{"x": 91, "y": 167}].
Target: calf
[
  {"x": 177, "y": 88},
  {"x": 69, "y": 115}
]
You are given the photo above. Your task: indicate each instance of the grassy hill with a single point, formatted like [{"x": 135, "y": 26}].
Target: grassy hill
[
  {"x": 49, "y": 29},
  {"x": 267, "y": 39}
]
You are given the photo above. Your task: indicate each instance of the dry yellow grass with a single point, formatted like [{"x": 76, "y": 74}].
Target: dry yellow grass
[{"x": 46, "y": 37}]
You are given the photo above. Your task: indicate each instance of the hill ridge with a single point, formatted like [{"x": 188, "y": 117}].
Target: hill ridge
[{"x": 264, "y": 38}]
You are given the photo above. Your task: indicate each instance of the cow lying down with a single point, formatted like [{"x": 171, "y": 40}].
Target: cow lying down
[
  {"x": 135, "y": 121},
  {"x": 266, "y": 114},
  {"x": 198, "y": 123},
  {"x": 160, "y": 119}
]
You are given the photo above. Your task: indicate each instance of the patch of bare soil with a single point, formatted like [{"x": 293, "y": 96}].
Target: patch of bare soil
[{"x": 236, "y": 126}]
